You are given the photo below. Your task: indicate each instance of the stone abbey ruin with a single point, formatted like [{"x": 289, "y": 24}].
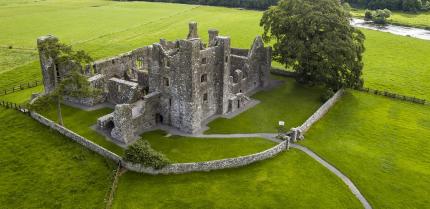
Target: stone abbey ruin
[{"x": 180, "y": 83}]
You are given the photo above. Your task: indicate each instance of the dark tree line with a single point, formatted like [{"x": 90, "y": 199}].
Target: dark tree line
[
  {"x": 248, "y": 4},
  {"x": 402, "y": 5}
]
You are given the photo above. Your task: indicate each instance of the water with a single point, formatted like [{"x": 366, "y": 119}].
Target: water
[{"x": 394, "y": 29}]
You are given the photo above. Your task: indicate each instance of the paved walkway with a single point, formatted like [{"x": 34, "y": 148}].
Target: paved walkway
[{"x": 344, "y": 178}]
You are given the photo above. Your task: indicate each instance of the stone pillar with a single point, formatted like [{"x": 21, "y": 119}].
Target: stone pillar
[
  {"x": 213, "y": 33},
  {"x": 47, "y": 63},
  {"x": 192, "y": 30},
  {"x": 122, "y": 119}
]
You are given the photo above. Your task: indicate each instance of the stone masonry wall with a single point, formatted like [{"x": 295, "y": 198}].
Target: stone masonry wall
[
  {"x": 77, "y": 138},
  {"x": 176, "y": 168},
  {"x": 179, "y": 168},
  {"x": 320, "y": 112}
]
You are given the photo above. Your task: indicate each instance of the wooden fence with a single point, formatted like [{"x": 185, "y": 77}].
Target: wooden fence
[
  {"x": 11, "y": 105},
  {"x": 394, "y": 95},
  {"x": 20, "y": 87}
]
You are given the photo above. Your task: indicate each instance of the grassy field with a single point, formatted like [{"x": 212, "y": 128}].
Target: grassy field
[
  {"x": 23, "y": 96},
  {"x": 41, "y": 169},
  {"x": 381, "y": 144},
  {"x": 188, "y": 149},
  {"x": 80, "y": 121},
  {"x": 127, "y": 25},
  {"x": 419, "y": 20},
  {"x": 290, "y": 180},
  {"x": 290, "y": 102},
  {"x": 12, "y": 58},
  {"x": 397, "y": 64}
]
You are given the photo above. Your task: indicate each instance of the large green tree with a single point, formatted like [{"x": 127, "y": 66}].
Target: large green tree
[{"x": 315, "y": 39}]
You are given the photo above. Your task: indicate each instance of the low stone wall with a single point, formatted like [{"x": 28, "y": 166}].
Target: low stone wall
[
  {"x": 320, "y": 112},
  {"x": 179, "y": 168},
  {"x": 76, "y": 137},
  {"x": 278, "y": 71}
]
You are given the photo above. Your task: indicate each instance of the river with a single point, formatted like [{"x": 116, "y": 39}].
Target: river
[{"x": 394, "y": 29}]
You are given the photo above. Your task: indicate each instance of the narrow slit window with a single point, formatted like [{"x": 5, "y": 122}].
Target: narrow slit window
[
  {"x": 166, "y": 81},
  {"x": 204, "y": 60},
  {"x": 205, "y": 97},
  {"x": 204, "y": 78}
]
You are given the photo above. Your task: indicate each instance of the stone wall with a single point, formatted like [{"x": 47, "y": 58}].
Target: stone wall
[
  {"x": 76, "y": 137},
  {"x": 176, "y": 168},
  {"x": 179, "y": 168},
  {"x": 281, "y": 72},
  {"x": 320, "y": 112}
]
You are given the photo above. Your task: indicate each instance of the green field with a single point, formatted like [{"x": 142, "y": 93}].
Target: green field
[
  {"x": 290, "y": 180},
  {"x": 419, "y": 20},
  {"x": 381, "y": 144},
  {"x": 188, "y": 149},
  {"x": 397, "y": 63},
  {"x": 22, "y": 96},
  {"x": 290, "y": 102},
  {"x": 40, "y": 168},
  {"x": 80, "y": 121}
]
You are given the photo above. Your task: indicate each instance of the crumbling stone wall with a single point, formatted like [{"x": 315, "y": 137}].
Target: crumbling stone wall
[{"x": 122, "y": 91}]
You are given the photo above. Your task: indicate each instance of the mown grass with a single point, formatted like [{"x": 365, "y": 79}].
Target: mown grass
[
  {"x": 80, "y": 121},
  {"x": 39, "y": 168},
  {"x": 419, "y": 20},
  {"x": 382, "y": 145},
  {"x": 23, "y": 96},
  {"x": 397, "y": 64},
  {"x": 289, "y": 102},
  {"x": 12, "y": 58},
  {"x": 290, "y": 180},
  {"x": 188, "y": 149}
]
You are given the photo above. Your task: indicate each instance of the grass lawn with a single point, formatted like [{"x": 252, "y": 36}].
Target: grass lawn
[
  {"x": 290, "y": 102},
  {"x": 39, "y": 168},
  {"x": 397, "y": 64},
  {"x": 80, "y": 121},
  {"x": 12, "y": 58},
  {"x": 419, "y": 20},
  {"x": 382, "y": 145},
  {"x": 22, "y": 96},
  {"x": 290, "y": 180},
  {"x": 188, "y": 149}
]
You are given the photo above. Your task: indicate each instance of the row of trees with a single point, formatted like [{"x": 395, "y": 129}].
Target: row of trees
[
  {"x": 249, "y": 4},
  {"x": 402, "y": 5}
]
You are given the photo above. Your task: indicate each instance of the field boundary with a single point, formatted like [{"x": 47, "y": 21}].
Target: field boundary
[
  {"x": 394, "y": 96},
  {"x": 20, "y": 87},
  {"x": 176, "y": 168},
  {"x": 15, "y": 106}
]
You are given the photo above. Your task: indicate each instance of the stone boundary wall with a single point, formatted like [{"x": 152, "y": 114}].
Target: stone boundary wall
[
  {"x": 320, "y": 112},
  {"x": 76, "y": 137},
  {"x": 279, "y": 71},
  {"x": 176, "y": 168},
  {"x": 179, "y": 168}
]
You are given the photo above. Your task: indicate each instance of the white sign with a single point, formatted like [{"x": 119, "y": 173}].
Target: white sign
[{"x": 281, "y": 123}]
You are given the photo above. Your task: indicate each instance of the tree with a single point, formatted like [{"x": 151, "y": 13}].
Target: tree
[
  {"x": 71, "y": 84},
  {"x": 315, "y": 39},
  {"x": 412, "y": 5}
]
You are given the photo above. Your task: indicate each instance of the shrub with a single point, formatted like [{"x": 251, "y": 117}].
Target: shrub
[
  {"x": 327, "y": 95},
  {"x": 142, "y": 152},
  {"x": 368, "y": 14}
]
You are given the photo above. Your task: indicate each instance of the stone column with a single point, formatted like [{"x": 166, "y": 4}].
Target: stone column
[
  {"x": 192, "y": 30},
  {"x": 122, "y": 119},
  {"x": 47, "y": 63}
]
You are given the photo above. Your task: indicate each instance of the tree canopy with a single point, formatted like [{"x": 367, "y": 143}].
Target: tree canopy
[{"x": 316, "y": 40}]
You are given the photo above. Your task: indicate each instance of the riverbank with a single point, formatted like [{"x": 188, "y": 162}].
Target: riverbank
[
  {"x": 394, "y": 29},
  {"x": 416, "y": 20}
]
